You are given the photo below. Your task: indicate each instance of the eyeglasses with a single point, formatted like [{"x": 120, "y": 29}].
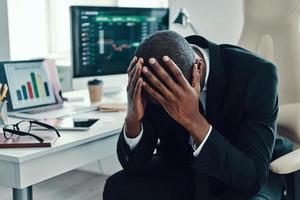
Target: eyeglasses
[{"x": 23, "y": 128}]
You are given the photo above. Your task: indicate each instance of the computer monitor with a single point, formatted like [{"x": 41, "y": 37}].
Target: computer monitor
[{"x": 104, "y": 38}]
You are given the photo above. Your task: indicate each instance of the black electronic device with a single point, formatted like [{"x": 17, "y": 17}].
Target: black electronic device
[{"x": 71, "y": 124}]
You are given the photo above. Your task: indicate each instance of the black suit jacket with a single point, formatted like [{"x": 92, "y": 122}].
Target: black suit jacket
[{"x": 241, "y": 106}]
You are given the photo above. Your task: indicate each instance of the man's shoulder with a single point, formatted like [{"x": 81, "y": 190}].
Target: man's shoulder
[
  {"x": 240, "y": 58},
  {"x": 240, "y": 53}
]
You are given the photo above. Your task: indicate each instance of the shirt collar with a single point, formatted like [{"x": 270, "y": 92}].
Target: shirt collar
[{"x": 205, "y": 53}]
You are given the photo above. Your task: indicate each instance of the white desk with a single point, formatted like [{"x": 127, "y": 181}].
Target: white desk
[{"x": 22, "y": 168}]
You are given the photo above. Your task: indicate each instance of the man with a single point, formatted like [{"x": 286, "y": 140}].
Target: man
[{"x": 200, "y": 123}]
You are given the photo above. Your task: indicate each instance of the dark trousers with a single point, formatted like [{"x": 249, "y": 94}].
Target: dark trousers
[
  {"x": 159, "y": 181},
  {"x": 162, "y": 182}
]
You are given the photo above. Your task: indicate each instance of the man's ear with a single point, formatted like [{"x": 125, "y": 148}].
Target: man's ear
[
  {"x": 199, "y": 63},
  {"x": 200, "y": 68}
]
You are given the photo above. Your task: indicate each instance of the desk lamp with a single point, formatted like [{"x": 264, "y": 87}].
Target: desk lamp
[{"x": 184, "y": 19}]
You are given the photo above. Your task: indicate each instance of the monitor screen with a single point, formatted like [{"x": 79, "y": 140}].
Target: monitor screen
[{"x": 104, "y": 38}]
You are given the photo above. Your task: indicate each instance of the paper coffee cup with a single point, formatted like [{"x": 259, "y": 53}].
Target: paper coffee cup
[{"x": 95, "y": 90}]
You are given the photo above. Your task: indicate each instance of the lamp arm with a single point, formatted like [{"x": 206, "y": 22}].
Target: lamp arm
[{"x": 193, "y": 27}]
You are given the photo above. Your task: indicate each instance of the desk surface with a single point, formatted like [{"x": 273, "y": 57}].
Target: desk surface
[
  {"x": 109, "y": 123},
  {"x": 23, "y": 167}
]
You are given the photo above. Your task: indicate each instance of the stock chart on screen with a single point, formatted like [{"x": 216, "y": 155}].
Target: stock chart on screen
[{"x": 105, "y": 38}]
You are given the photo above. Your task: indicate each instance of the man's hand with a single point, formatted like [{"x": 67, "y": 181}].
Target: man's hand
[
  {"x": 179, "y": 98},
  {"x": 136, "y": 102}
]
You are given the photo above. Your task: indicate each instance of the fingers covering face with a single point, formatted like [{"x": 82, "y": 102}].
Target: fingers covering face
[
  {"x": 162, "y": 74},
  {"x": 138, "y": 88},
  {"x": 196, "y": 78},
  {"x": 136, "y": 76},
  {"x": 134, "y": 64},
  {"x": 175, "y": 71},
  {"x": 158, "y": 97},
  {"x": 156, "y": 82}
]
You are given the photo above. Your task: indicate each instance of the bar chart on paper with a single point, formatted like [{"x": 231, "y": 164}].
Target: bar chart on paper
[{"x": 29, "y": 85}]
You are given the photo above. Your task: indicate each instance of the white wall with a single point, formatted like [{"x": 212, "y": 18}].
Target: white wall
[
  {"x": 144, "y": 3},
  {"x": 220, "y": 21},
  {"x": 59, "y": 23},
  {"x": 28, "y": 28},
  {"x": 4, "y": 34}
]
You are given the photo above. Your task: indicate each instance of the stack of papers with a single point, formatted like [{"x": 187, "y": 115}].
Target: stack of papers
[{"x": 112, "y": 107}]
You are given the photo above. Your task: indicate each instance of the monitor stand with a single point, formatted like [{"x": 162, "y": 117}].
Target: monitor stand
[
  {"x": 112, "y": 84},
  {"x": 113, "y": 90}
]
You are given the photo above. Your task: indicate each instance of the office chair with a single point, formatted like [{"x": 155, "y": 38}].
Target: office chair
[
  {"x": 289, "y": 165},
  {"x": 271, "y": 29}
]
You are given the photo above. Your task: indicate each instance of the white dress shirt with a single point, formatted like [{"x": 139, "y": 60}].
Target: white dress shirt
[{"x": 133, "y": 142}]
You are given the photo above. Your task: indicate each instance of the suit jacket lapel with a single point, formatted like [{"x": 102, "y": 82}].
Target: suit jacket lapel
[{"x": 216, "y": 80}]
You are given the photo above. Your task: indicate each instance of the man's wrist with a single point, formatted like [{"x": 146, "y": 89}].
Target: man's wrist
[
  {"x": 132, "y": 128},
  {"x": 198, "y": 128}
]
